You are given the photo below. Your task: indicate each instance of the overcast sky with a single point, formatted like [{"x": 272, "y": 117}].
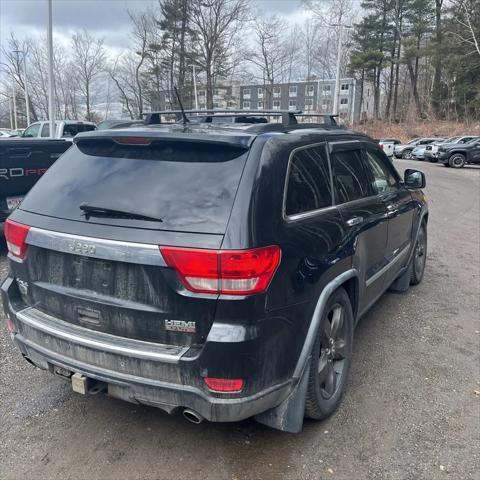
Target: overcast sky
[{"x": 106, "y": 18}]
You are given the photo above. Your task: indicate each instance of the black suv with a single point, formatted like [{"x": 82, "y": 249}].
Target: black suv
[
  {"x": 459, "y": 155},
  {"x": 214, "y": 270}
]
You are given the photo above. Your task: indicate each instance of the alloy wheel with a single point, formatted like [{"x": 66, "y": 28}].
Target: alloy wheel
[{"x": 333, "y": 351}]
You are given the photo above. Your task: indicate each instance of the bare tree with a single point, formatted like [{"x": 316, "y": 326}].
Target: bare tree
[
  {"x": 88, "y": 62},
  {"x": 269, "y": 53},
  {"x": 217, "y": 23}
]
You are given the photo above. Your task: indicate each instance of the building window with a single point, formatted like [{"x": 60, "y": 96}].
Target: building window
[
  {"x": 310, "y": 90},
  {"x": 216, "y": 105},
  {"x": 277, "y": 92},
  {"x": 325, "y": 105},
  {"x": 292, "y": 105},
  {"x": 292, "y": 90},
  {"x": 309, "y": 104},
  {"x": 344, "y": 87},
  {"x": 276, "y": 104},
  {"x": 260, "y": 105},
  {"x": 202, "y": 93},
  {"x": 216, "y": 91},
  {"x": 344, "y": 101},
  {"x": 327, "y": 90},
  {"x": 246, "y": 93},
  {"x": 246, "y": 105},
  {"x": 260, "y": 93}
]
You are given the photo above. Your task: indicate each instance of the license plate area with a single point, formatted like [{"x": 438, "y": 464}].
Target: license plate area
[{"x": 14, "y": 202}]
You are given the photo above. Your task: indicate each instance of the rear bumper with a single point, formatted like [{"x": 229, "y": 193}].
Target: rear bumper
[{"x": 134, "y": 371}]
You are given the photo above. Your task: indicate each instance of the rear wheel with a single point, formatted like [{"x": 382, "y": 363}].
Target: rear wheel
[
  {"x": 419, "y": 256},
  {"x": 331, "y": 357},
  {"x": 407, "y": 155},
  {"x": 457, "y": 160}
]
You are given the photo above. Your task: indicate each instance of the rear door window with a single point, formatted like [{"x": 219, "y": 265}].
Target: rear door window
[
  {"x": 308, "y": 183},
  {"x": 350, "y": 178},
  {"x": 190, "y": 186}
]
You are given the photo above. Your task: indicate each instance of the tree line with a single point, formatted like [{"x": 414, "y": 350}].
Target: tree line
[{"x": 420, "y": 58}]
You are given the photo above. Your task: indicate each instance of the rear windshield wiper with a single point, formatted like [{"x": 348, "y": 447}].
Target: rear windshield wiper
[{"x": 96, "y": 211}]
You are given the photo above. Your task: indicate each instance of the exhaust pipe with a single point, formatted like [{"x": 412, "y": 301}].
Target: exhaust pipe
[{"x": 192, "y": 416}]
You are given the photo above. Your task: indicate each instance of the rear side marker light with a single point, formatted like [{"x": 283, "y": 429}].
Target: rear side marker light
[
  {"x": 224, "y": 385},
  {"x": 228, "y": 272},
  {"x": 16, "y": 236}
]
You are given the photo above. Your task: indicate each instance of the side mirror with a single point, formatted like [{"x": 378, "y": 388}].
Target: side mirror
[{"x": 414, "y": 178}]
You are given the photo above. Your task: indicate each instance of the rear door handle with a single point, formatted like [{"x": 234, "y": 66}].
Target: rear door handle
[{"x": 351, "y": 222}]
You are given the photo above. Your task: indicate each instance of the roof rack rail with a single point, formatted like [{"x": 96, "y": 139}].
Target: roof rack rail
[{"x": 289, "y": 117}]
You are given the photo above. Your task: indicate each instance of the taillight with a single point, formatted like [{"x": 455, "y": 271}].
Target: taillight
[
  {"x": 16, "y": 235},
  {"x": 230, "y": 272},
  {"x": 224, "y": 385}
]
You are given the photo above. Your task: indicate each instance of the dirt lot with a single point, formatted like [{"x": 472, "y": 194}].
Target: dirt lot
[{"x": 411, "y": 410}]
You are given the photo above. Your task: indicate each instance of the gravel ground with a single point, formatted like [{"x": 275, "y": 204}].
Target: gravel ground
[{"x": 412, "y": 409}]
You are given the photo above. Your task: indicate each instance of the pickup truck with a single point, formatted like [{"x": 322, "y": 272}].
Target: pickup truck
[
  {"x": 22, "y": 163},
  {"x": 24, "y": 159},
  {"x": 66, "y": 129},
  {"x": 457, "y": 156}
]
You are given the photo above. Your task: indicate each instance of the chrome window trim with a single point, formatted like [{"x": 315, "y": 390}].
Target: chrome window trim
[
  {"x": 309, "y": 213},
  {"x": 398, "y": 256},
  {"x": 115, "y": 250},
  {"x": 99, "y": 340}
]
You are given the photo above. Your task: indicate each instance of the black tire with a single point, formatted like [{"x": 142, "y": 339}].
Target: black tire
[
  {"x": 331, "y": 358},
  {"x": 407, "y": 154},
  {"x": 457, "y": 160},
  {"x": 419, "y": 258},
  {"x": 433, "y": 160}
]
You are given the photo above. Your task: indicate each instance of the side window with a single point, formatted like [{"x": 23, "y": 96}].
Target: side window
[
  {"x": 32, "y": 130},
  {"x": 45, "y": 130},
  {"x": 382, "y": 177},
  {"x": 308, "y": 185},
  {"x": 349, "y": 176}
]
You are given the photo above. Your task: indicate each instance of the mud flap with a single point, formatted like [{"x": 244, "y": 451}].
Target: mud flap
[
  {"x": 288, "y": 416},
  {"x": 402, "y": 283}
]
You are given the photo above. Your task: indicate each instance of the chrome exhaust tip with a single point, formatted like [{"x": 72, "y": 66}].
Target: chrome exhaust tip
[{"x": 192, "y": 416}]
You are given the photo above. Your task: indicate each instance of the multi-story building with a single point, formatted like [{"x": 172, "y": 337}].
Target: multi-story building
[
  {"x": 225, "y": 95},
  {"x": 307, "y": 96}
]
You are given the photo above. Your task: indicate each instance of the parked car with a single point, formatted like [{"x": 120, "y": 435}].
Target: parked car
[
  {"x": 66, "y": 129},
  {"x": 388, "y": 145},
  {"x": 452, "y": 141},
  {"x": 418, "y": 153},
  {"x": 458, "y": 155},
  {"x": 211, "y": 270},
  {"x": 432, "y": 148},
  {"x": 405, "y": 151}
]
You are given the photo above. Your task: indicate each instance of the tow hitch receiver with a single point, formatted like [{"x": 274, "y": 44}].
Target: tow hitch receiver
[{"x": 79, "y": 383}]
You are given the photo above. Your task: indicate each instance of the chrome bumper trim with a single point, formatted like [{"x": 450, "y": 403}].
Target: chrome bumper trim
[{"x": 98, "y": 340}]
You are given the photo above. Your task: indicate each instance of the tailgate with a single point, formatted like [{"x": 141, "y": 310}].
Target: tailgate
[{"x": 23, "y": 162}]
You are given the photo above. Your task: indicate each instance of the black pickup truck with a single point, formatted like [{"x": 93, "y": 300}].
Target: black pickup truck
[
  {"x": 22, "y": 163},
  {"x": 458, "y": 155}
]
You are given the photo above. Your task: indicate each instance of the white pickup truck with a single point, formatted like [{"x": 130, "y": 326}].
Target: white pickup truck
[{"x": 65, "y": 129}]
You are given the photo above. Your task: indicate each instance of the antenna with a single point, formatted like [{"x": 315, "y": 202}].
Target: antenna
[{"x": 184, "y": 117}]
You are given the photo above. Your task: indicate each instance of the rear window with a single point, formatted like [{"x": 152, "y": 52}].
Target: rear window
[{"x": 189, "y": 186}]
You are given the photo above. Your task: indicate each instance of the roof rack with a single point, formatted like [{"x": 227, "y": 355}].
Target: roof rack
[{"x": 289, "y": 117}]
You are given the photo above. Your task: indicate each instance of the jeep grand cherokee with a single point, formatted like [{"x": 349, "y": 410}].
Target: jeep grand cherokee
[{"x": 214, "y": 270}]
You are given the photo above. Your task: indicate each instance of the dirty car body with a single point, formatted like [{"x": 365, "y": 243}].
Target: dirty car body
[{"x": 189, "y": 268}]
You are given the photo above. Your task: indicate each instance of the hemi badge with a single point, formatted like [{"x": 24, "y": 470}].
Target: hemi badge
[{"x": 180, "y": 326}]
